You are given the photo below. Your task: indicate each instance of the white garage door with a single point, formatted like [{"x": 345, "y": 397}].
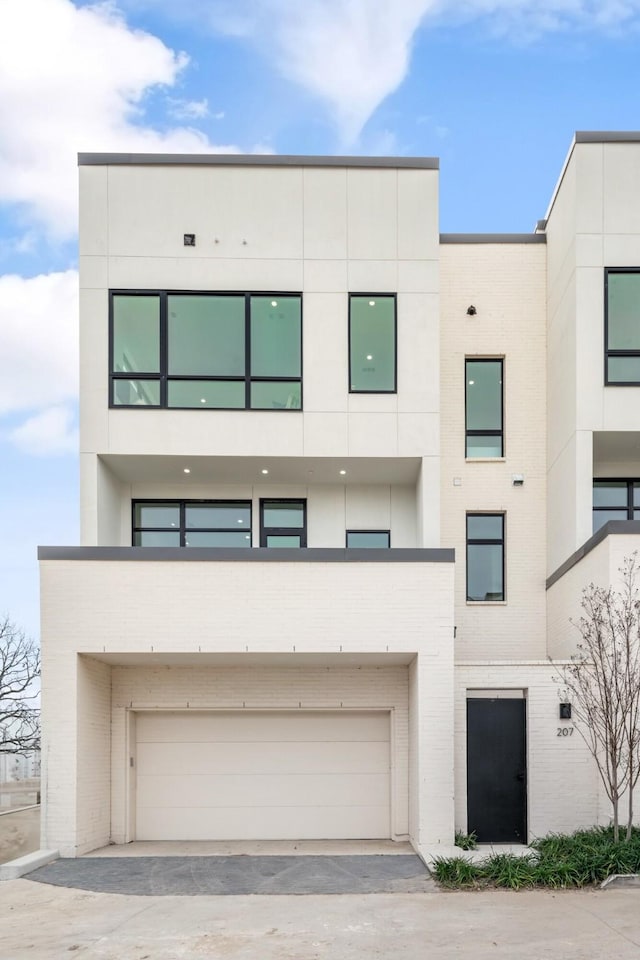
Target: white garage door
[{"x": 262, "y": 776}]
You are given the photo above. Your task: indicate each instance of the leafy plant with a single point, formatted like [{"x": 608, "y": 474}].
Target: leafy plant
[
  {"x": 455, "y": 872},
  {"x": 559, "y": 860},
  {"x": 466, "y": 841},
  {"x": 511, "y": 871}
]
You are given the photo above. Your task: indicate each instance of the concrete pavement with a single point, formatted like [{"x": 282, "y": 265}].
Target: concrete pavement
[
  {"x": 44, "y": 922},
  {"x": 234, "y": 875}
]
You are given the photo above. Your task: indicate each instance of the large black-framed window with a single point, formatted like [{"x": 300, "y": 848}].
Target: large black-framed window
[
  {"x": 283, "y": 523},
  {"x": 622, "y": 326},
  {"x": 372, "y": 343},
  {"x": 484, "y": 420},
  {"x": 191, "y": 523},
  {"x": 615, "y": 499},
  {"x": 369, "y": 539},
  {"x": 204, "y": 350},
  {"x": 485, "y": 556}
]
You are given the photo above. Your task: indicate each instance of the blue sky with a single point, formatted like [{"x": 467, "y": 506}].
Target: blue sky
[{"x": 495, "y": 88}]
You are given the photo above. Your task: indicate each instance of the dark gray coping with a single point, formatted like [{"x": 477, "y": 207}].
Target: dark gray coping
[
  {"x": 611, "y": 528},
  {"x": 493, "y": 238},
  {"x": 254, "y": 555},
  {"x": 251, "y": 160},
  {"x": 607, "y": 136},
  {"x": 541, "y": 225}
]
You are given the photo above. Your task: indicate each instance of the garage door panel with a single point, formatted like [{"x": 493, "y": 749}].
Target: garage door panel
[
  {"x": 260, "y": 823},
  {"x": 195, "y": 759},
  {"x": 273, "y": 790},
  {"x": 286, "y": 727},
  {"x": 270, "y": 775}
]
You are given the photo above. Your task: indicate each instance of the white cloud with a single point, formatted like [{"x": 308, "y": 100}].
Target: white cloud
[
  {"x": 188, "y": 109},
  {"x": 50, "y": 432},
  {"x": 38, "y": 341},
  {"x": 354, "y": 53},
  {"x": 74, "y": 79}
]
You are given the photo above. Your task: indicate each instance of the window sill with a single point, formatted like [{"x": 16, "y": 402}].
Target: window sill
[
  {"x": 486, "y": 603},
  {"x": 485, "y": 459}
]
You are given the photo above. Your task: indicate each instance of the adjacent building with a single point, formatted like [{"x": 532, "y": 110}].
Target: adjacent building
[{"x": 343, "y": 478}]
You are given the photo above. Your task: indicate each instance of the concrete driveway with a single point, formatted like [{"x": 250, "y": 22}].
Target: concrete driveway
[{"x": 45, "y": 922}]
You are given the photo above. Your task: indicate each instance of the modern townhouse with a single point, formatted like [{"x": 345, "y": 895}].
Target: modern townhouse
[{"x": 343, "y": 479}]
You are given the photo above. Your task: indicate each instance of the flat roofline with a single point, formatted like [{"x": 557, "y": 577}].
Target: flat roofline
[
  {"x": 252, "y": 160},
  {"x": 611, "y": 528},
  {"x": 252, "y": 555},
  {"x": 590, "y": 136},
  {"x": 607, "y": 136},
  {"x": 493, "y": 238}
]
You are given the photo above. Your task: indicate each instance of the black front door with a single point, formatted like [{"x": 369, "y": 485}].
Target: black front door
[{"x": 496, "y": 770}]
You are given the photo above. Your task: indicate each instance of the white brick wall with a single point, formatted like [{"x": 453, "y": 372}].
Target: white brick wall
[
  {"x": 506, "y": 284},
  {"x": 564, "y": 791},
  {"x": 173, "y": 620}
]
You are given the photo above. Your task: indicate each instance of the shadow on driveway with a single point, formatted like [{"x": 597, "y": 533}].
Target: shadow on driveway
[{"x": 272, "y": 875}]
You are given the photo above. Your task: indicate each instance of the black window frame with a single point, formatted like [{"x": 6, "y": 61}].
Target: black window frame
[
  {"x": 373, "y": 296},
  {"x": 484, "y": 433},
  {"x": 628, "y": 506},
  {"x": 182, "y": 530},
  {"x": 266, "y": 532},
  {"x": 164, "y": 378},
  {"x": 616, "y": 353},
  {"x": 482, "y": 541},
  {"x": 378, "y": 532}
]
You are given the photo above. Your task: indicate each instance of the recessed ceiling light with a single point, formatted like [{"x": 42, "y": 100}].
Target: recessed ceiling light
[
  {"x": 264, "y": 471},
  {"x": 342, "y": 473},
  {"x": 186, "y": 470},
  {"x": 471, "y": 382},
  {"x": 240, "y": 521},
  {"x": 274, "y": 303},
  {"x": 372, "y": 303},
  {"x": 369, "y": 356},
  {"x": 203, "y": 400}
]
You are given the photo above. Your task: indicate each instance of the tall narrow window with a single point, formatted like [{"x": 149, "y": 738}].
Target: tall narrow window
[
  {"x": 192, "y": 523},
  {"x": 485, "y": 556},
  {"x": 483, "y": 402},
  {"x": 622, "y": 327},
  {"x": 135, "y": 351},
  {"x": 372, "y": 343},
  {"x": 283, "y": 523}
]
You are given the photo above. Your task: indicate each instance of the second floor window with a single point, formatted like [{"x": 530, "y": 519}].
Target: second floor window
[
  {"x": 373, "y": 539},
  {"x": 283, "y": 523},
  {"x": 191, "y": 523},
  {"x": 483, "y": 408},
  {"x": 206, "y": 350},
  {"x": 615, "y": 500},
  {"x": 485, "y": 556},
  {"x": 622, "y": 327}
]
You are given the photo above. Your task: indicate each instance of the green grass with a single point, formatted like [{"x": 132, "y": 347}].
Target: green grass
[
  {"x": 580, "y": 859},
  {"x": 466, "y": 841}
]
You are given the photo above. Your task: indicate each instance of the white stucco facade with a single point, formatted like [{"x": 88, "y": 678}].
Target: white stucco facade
[{"x": 379, "y": 650}]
